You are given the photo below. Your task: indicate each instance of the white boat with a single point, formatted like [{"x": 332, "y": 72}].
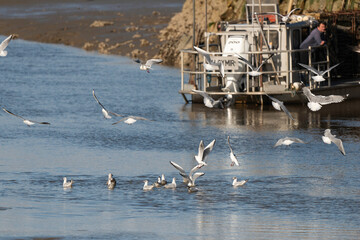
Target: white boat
[{"x": 261, "y": 35}]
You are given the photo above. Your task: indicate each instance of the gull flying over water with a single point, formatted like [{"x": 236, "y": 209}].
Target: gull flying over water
[
  {"x": 319, "y": 74},
  {"x": 286, "y": 17},
  {"x": 279, "y": 105},
  {"x": 254, "y": 70},
  {"x": 111, "y": 182},
  {"x": 190, "y": 178},
  {"x": 147, "y": 66},
  {"x": 287, "y": 141},
  {"x": 209, "y": 101},
  {"x": 105, "y": 112},
  {"x": 130, "y": 120},
  {"x": 3, "y": 45},
  {"x": 203, "y": 152},
  {"x": 26, "y": 121},
  {"x": 233, "y": 157},
  {"x": 235, "y": 182},
  {"x": 211, "y": 65},
  {"x": 67, "y": 184},
  {"x": 329, "y": 138},
  {"x": 316, "y": 101}
]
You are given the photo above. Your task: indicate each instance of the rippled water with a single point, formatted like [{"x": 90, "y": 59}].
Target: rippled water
[{"x": 300, "y": 191}]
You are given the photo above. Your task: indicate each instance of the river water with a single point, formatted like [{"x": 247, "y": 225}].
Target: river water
[{"x": 301, "y": 191}]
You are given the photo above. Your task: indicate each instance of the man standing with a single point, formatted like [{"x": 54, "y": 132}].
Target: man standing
[{"x": 316, "y": 37}]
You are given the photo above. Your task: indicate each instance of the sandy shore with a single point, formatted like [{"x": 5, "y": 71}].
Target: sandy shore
[{"x": 128, "y": 28}]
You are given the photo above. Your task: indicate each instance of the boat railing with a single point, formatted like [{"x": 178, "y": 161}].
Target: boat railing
[{"x": 202, "y": 79}]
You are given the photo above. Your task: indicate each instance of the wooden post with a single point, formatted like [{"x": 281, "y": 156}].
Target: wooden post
[{"x": 290, "y": 6}]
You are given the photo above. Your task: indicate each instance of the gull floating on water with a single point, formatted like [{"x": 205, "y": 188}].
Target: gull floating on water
[
  {"x": 3, "y": 45},
  {"x": 329, "y": 138},
  {"x": 163, "y": 181},
  {"x": 204, "y": 152},
  {"x": 279, "y": 105},
  {"x": 158, "y": 182},
  {"x": 235, "y": 182},
  {"x": 319, "y": 74},
  {"x": 26, "y": 121},
  {"x": 283, "y": 18},
  {"x": 254, "y": 70},
  {"x": 233, "y": 157},
  {"x": 316, "y": 101},
  {"x": 171, "y": 185},
  {"x": 287, "y": 141},
  {"x": 147, "y": 66},
  {"x": 105, "y": 112},
  {"x": 211, "y": 65},
  {"x": 67, "y": 184},
  {"x": 111, "y": 182},
  {"x": 130, "y": 120},
  {"x": 147, "y": 187},
  {"x": 190, "y": 178}
]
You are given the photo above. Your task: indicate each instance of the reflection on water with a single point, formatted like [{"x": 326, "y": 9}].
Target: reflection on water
[{"x": 303, "y": 191}]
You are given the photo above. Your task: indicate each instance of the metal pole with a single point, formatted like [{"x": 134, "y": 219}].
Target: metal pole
[{"x": 205, "y": 15}]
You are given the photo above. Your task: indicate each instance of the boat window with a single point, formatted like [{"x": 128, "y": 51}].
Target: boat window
[
  {"x": 296, "y": 39},
  {"x": 305, "y": 31},
  {"x": 273, "y": 39}
]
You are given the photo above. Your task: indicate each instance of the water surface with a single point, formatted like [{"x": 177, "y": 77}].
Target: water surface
[{"x": 308, "y": 191}]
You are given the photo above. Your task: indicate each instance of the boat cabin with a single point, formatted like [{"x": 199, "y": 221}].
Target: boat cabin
[{"x": 262, "y": 36}]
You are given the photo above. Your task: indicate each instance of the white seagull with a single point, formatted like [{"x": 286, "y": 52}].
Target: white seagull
[
  {"x": 254, "y": 70},
  {"x": 67, "y": 184},
  {"x": 209, "y": 101},
  {"x": 319, "y": 74},
  {"x": 111, "y": 182},
  {"x": 316, "y": 101},
  {"x": 211, "y": 65},
  {"x": 286, "y": 17},
  {"x": 163, "y": 181},
  {"x": 233, "y": 157},
  {"x": 158, "y": 182},
  {"x": 204, "y": 152},
  {"x": 279, "y": 105},
  {"x": 190, "y": 178},
  {"x": 235, "y": 183},
  {"x": 171, "y": 185},
  {"x": 329, "y": 138},
  {"x": 287, "y": 141},
  {"x": 105, "y": 112},
  {"x": 146, "y": 186},
  {"x": 147, "y": 66},
  {"x": 3, "y": 45},
  {"x": 130, "y": 120},
  {"x": 26, "y": 121}
]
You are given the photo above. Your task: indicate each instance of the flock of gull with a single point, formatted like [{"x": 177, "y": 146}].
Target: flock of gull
[{"x": 315, "y": 103}]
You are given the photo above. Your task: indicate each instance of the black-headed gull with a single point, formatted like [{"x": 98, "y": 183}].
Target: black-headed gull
[
  {"x": 211, "y": 65},
  {"x": 279, "y": 105},
  {"x": 130, "y": 120},
  {"x": 171, "y": 185},
  {"x": 287, "y": 141},
  {"x": 146, "y": 186},
  {"x": 105, "y": 112},
  {"x": 284, "y": 18},
  {"x": 26, "y": 121},
  {"x": 316, "y": 101},
  {"x": 203, "y": 152},
  {"x": 209, "y": 101},
  {"x": 67, "y": 184},
  {"x": 111, "y": 182},
  {"x": 319, "y": 74},
  {"x": 329, "y": 138},
  {"x": 3, "y": 45},
  {"x": 147, "y": 66},
  {"x": 190, "y": 178},
  {"x": 233, "y": 157},
  {"x": 254, "y": 70},
  {"x": 235, "y": 182}
]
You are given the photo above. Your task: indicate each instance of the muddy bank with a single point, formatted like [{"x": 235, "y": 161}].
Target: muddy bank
[{"x": 107, "y": 26}]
